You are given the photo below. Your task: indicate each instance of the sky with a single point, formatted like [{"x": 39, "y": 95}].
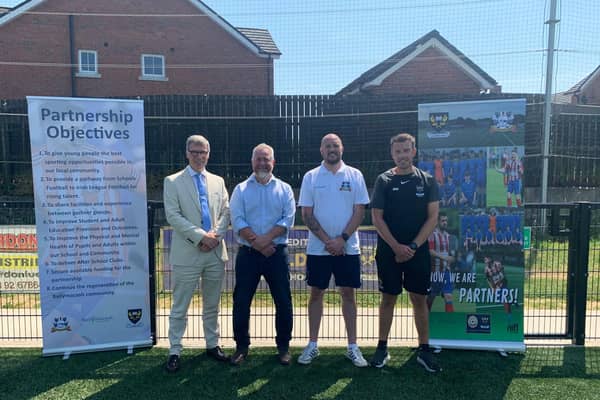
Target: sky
[{"x": 326, "y": 44}]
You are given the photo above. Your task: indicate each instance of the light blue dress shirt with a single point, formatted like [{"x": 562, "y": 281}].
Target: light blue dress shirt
[{"x": 261, "y": 207}]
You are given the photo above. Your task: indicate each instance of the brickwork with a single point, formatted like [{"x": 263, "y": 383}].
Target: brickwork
[
  {"x": 430, "y": 72},
  {"x": 201, "y": 57}
]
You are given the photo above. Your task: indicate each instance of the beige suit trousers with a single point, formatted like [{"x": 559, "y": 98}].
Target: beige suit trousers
[{"x": 185, "y": 279}]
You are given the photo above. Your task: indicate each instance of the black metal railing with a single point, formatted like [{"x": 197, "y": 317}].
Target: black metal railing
[{"x": 562, "y": 282}]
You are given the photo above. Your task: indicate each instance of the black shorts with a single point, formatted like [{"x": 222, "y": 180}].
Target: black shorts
[
  {"x": 413, "y": 275},
  {"x": 345, "y": 270}
]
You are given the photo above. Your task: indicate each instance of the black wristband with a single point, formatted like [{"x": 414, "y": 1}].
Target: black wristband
[
  {"x": 413, "y": 246},
  {"x": 345, "y": 236}
]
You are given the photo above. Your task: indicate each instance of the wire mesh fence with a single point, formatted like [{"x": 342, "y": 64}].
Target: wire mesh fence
[{"x": 550, "y": 310}]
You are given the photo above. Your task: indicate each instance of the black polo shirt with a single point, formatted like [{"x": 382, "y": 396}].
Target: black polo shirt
[{"x": 404, "y": 200}]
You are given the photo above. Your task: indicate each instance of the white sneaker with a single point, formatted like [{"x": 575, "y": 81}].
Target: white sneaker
[
  {"x": 356, "y": 357},
  {"x": 308, "y": 354}
]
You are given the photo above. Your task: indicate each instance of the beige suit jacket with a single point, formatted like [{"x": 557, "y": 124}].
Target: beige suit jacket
[{"x": 183, "y": 213}]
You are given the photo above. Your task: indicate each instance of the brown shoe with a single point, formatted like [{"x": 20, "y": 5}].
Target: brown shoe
[
  {"x": 284, "y": 357},
  {"x": 238, "y": 357},
  {"x": 217, "y": 354},
  {"x": 173, "y": 363}
]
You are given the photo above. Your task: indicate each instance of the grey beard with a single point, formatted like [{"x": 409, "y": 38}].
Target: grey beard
[{"x": 262, "y": 175}]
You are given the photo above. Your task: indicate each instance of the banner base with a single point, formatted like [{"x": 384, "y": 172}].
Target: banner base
[
  {"x": 506, "y": 347},
  {"x": 67, "y": 351}
]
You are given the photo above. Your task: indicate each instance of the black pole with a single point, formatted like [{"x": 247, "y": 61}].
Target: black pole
[
  {"x": 152, "y": 272},
  {"x": 582, "y": 255},
  {"x": 572, "y": 268},
  {"x": 73, "y": 58}
]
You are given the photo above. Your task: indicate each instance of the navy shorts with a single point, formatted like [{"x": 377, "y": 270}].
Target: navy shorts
[
  {"x": 345, "y": 270},
  {"x": 413, "y": 275},
  {"x": 514, "y": 187}
]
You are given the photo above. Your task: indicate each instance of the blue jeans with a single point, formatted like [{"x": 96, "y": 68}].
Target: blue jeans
[{"x": 250, "y": 265}]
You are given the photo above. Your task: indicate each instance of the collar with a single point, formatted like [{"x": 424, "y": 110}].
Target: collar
[
  {"x": 252, "y": 178},
  {"x": 193, "y": 173},
  {"x": 323, "y": 169}
]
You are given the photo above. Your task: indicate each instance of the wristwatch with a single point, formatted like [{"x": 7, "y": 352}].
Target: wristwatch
[
  {"x": 345, "y": 236},
  {"x": 413, "y": 246}
]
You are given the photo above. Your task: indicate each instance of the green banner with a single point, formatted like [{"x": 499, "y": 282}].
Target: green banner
[{"x": 474, "y": 150}]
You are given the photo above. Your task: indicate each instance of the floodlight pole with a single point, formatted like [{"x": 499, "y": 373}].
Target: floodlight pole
[{"x": 548, "y": 100}]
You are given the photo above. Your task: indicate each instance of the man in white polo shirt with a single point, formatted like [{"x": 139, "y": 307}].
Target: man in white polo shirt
[{"x": 333, "y": 198}]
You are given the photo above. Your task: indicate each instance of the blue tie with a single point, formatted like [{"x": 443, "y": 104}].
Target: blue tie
[{"x": 203, "y": 201}]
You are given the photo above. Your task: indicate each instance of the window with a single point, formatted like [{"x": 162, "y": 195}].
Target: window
[
  {"x": 88, "y": 63},
  {"x": 153, "y": 67}
]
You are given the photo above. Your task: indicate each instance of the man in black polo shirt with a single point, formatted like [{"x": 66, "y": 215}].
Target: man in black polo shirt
[{"x": 404, "y": 209}]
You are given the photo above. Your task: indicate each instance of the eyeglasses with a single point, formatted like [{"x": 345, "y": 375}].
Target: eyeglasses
[{"x": 198, "y": 153}]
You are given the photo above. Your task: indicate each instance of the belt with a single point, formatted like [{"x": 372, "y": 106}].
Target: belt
[{"x": 253, "y": 250}]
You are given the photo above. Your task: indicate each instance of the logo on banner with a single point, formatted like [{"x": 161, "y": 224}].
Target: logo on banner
[
  {"x": 503, "y": 122},
  {"x": 60, "y": 324},
  {"x": 438, "y": 121},
  {"x": 479, "y": 323},
  {"x": 134, "y": 315}
]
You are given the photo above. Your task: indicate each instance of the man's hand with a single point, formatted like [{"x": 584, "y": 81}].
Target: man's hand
[
  {"x": 203, "y": 248},
  {"x": 336, "y": 246},
  {"x": 264, "y": 245},
  {"x": 261, "y": 241},
  {"x": 403, "y": 253},
  {"x": 209, "y": 241},
  {"x": 268, "y": 251}
]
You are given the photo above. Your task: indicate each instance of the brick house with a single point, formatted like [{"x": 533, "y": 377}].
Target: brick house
[
  {"x": 429, "y": 65},
  {"x": 129, "y": 48},
  {"x": 586, "y": 91}
]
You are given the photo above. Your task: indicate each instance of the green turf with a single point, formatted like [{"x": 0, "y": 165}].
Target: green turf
[
  {"x": 495, "y": 189},
  {"x": 541, "y": 373}
]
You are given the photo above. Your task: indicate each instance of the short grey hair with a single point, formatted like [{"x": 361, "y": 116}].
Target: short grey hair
[
  {"x": 197, "y": 139},
  {"x": 263, "y": 146}
]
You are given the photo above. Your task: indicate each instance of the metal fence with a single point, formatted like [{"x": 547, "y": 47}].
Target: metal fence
[
  {"x": 562, "y": 284},
  {"x": 294, "y": 125}
]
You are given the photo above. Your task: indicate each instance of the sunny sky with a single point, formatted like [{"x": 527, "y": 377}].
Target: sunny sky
[{"x": 328, "y": 43}]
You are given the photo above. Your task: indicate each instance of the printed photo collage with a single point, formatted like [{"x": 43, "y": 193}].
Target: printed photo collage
[{"x": 475, "y": 151}]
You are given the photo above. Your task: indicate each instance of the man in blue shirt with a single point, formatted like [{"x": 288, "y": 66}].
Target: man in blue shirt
[
  {"x": 262, "y": 214},
  {"x": 468, "y": 194},
  {"x": 449, "y": 192}
]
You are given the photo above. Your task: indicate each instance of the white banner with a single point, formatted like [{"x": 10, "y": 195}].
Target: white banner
[{"x": 89, "y": 178}]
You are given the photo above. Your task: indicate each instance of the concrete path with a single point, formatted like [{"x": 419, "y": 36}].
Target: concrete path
[{"x": 27, "y": 323}]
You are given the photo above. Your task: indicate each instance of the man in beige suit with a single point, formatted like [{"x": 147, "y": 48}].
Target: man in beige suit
[{"x": 197, "y": 207}]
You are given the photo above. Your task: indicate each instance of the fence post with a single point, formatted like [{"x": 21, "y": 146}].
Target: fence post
[
  {"x": 582, "y": 254},
  {"x": 152, "y": 272},
  {"x": 573, "y": 252}
]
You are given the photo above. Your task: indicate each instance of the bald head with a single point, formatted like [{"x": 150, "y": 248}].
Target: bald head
[
  {"x": 330, "y": 136},
  {"x": 332, "y": 149}
]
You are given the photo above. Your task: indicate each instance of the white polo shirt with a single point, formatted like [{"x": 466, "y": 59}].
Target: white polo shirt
[{"x": 332, "y": 197}]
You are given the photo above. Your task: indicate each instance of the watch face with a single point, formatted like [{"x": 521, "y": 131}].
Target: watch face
[{"x": 413, "y": 246}]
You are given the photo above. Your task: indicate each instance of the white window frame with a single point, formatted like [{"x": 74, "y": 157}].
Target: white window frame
[
  {"x": 87, "y": 73},
  {"x": 153, "y": 77}
]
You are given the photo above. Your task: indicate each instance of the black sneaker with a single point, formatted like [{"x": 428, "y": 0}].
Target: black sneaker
[
  {"x": 173, "y": 363},
  {"x": 380, "y": 358},
  {"x": 426, "y": 359}
]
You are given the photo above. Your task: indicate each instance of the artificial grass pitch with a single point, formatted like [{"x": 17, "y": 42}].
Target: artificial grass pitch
[{"x": 548, "y": 373}]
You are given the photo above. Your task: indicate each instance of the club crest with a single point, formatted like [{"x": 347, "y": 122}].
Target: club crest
[
  {"x": 60, "y": 324},
  {"x": 438, "y": 120},
  {"x": 134, "y": 315}
]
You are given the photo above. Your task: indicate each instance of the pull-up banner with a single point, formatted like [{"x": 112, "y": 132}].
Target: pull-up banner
[
  {"x": 89, "y": 178},
  {"x": 474, "y": 150}
]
